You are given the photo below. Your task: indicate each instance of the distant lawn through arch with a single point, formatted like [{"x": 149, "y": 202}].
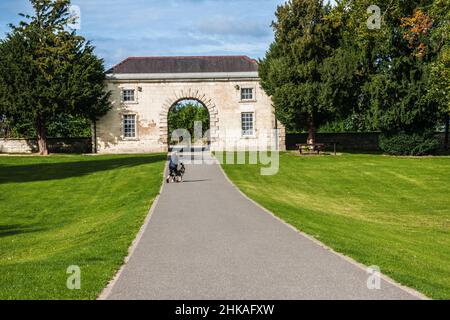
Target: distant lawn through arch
[{"x": 183, "y": 115}]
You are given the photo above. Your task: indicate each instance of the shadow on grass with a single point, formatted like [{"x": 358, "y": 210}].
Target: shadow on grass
[
  {"x": 342, "y": 151},
  {"x": 64, "y": 170},
  {"x": 15, "y": 229}
]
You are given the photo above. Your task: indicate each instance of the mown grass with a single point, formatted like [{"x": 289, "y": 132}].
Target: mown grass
[
  {"x": 393, "y": 212},
  {"x": 61, "y": 211}
]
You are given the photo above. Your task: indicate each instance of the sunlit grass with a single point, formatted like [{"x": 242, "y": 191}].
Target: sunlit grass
[
  {"x": 392, "y": 212},
  {"x": 70, "y": 210}
]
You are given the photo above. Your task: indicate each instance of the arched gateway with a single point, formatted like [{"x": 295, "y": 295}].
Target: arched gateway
[{"x": 144, "y": 89}]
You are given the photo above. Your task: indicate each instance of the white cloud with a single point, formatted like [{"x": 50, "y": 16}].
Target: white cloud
[{"x": 121, "y": 28}]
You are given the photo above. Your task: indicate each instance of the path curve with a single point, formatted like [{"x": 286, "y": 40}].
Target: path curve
[{"x": 205, "y": 240}]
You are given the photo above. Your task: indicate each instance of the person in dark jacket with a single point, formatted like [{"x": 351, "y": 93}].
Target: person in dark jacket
[{"x": 173, "y": 165}]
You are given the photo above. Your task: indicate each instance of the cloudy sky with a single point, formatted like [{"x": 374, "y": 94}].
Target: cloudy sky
[{"x": 122, "y": 28}]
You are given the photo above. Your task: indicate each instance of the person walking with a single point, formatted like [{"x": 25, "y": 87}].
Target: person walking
[{"x": 173, "y": 165}]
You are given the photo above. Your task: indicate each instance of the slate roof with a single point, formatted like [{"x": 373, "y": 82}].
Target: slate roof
[{"x": 211, "y": 64}]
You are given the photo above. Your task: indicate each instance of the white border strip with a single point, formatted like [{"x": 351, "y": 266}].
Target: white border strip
[
  {"x": 409, "y": 290},
  {"x": 107, "y": 291}
]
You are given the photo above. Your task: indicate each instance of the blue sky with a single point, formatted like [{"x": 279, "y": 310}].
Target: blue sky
[{"x": 122, "y": 28}]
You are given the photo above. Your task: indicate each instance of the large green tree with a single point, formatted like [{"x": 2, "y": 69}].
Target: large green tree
[
  {"x": 393, "y": 64},
  {"x": 332, "y": 65},
  {"x": 398, "y": 91},
  {"x": 440, "y": 69},
  {"x": 47, "y": 70},
  {"x": 303, "y": 70}
]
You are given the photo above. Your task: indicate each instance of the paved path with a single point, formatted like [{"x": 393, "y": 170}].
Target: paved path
[{"x": 206, "y": 241}]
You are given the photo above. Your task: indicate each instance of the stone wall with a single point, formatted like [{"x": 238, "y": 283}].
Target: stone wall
[
  {"x": 281, "y": 136},
  {"x": 441, "y": 138},
  {"x": 345, "y": 141},
  {"x": 55, "y": 145}
]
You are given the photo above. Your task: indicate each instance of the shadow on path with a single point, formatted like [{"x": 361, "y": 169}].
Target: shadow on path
[{"x": 193, "y": 181}]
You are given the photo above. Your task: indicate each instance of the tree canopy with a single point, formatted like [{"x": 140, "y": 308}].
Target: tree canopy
[
  {"x": 47, "y": 70},
  {"x": 327, "y": 65},
  {"x": 299, "y": 70}
]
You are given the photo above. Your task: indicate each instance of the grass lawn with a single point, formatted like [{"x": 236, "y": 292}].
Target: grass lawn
[
  {"x": 379, "y": 210},
  {"x": 70, "y": 210}
]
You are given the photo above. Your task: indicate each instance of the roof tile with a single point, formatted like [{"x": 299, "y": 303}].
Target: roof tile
[{"x": 185, "y": 65}]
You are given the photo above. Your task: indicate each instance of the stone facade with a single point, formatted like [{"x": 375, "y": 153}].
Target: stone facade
[
  {"x": 155, "y": 97},
  {"x": 17, "y": 146},
  {"x": 55, "y": 145}
]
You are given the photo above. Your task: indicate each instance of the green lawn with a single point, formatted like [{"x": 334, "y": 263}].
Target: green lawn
[
  {"x": 379, "y": 210},
  {"x": 70, "y": 210}
]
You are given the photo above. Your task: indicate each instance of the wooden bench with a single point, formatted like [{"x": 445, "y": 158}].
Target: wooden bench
[{"x": 314, "y": 147}]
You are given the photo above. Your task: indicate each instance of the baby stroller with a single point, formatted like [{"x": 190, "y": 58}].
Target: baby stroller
[{"x": 176, "y": 174}]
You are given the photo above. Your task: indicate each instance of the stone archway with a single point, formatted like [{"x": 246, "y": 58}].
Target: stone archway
[{"x": 189, "y": 94}]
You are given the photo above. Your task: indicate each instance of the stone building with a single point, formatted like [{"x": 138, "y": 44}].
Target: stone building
[{"x": 144, "y": 89}]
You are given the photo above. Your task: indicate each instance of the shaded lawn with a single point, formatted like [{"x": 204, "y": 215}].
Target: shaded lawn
[
  {"x": 379, "y": 210},
  {"x": 70, "y": 210}
]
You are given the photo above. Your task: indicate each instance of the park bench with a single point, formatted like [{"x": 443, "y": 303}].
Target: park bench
[
  {"x": 315, "y": 147},
  {"x": 311, "y": 147}
]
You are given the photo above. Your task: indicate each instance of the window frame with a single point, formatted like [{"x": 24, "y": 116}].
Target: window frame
[
  {"x": 252, "y": 91},
  {"x": 134, "y": 126},
  {"x": 246, "y": 133},
  {"x": 122, "y": 95}
]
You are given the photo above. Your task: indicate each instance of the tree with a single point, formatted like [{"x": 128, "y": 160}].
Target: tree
[
  {"x": 47, "y": 70},
  {"x": 393, "y": 64},
  {"x": 328, "y": 66},
  {"x": 440, "y": 69},
  {"x": 302, "y": 71}
]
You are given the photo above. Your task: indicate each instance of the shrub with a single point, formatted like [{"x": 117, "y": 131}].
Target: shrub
[{"x": 409, "y": 144}]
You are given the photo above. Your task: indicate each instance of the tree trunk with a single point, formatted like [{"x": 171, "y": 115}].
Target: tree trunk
[
  {"x": 311, "y": 131},
  {"x": 42, "y": 138},
  {"x": 447, "y": 124}
]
